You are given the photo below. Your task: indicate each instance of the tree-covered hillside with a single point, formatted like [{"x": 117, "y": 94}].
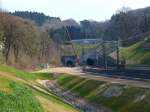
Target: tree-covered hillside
[
  {"x": 124, "y": 24},
  {"x": 24, "y": 43},
  {"x": 39, "y": 18}
]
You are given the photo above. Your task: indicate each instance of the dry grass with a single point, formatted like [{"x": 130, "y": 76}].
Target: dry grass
[{"x": 50, "y": 106}]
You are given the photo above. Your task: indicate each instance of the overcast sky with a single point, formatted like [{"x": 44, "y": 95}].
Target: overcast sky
[{"x": 77, "y": 9}]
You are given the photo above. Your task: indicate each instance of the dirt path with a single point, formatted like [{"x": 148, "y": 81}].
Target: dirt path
[
  {"x": 67, "y": 70},
  {"x": 78, "y": 71}
]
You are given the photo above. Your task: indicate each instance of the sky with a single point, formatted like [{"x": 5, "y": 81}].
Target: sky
[{"x": 98, "y": 10}]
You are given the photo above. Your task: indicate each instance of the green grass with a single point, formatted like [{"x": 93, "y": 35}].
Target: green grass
[
  {"x": 77, "y": 84},
  {"x": 123, "y": 103},
  {"x": 20, "y": 100},
  {"x": 92, "y": 90},
  {"x": 21, "y": 96},
  {"x": 136, "y": 54},
  {"x": 4, "y": 83},
  {"x": 53, "y": 98},
  {"x": 25, "y": 75}
]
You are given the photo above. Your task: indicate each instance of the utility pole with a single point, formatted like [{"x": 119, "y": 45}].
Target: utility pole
[
  {"x": 104, "y": 54},
  {"x": 118, "y": 53},
  {"x": 83, "y": 52},
  {"x": 83, "y": 56}
]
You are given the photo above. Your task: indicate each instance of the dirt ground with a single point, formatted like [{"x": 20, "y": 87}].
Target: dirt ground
[
  {"x": 67, "y": 70},
  {"x": 78, "y": 71}
]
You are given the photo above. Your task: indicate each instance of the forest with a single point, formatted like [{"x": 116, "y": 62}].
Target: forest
[
  {"x": 24, "y": 43},
  {"x": 125, "y": 23}
]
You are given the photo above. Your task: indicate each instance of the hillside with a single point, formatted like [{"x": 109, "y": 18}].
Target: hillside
[
  {"x": 118, "y": 98},
  {"x": 113, "y": 94},
  {"x": 138, "y": 53},
  {"x": 24, "y": 44},
  {"x": 20, "y": 92},
  {"x": 124, "y": 24},
  {"x": 39, "y": 18}
]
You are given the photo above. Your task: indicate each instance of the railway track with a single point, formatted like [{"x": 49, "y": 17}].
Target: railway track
[{"x": 130, "y": 74}]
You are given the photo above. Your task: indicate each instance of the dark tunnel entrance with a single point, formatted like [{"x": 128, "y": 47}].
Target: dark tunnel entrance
[
  {"x": 70, "y": 63},
  {"x": 90, "y": 62}
]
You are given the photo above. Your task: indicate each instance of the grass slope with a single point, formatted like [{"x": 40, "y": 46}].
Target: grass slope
[
  {"x": 137, "y": 53},
  {"x": 24, "y": 75},
  {"x": 93, "y": 90},
  {"x": 19, "y": 92},
  {"x": 20, "y": 99}
]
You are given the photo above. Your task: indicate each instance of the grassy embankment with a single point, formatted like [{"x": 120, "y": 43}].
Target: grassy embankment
[
  {"x": 19, "y": 92},
  {"x": 132, "y": 99},
  {"x": 138, "y": 53}
]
